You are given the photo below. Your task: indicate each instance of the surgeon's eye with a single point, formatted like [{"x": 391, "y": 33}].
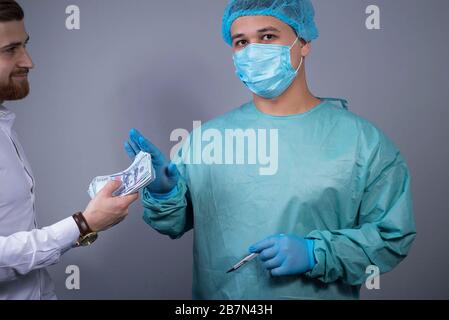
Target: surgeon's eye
[
  {"x": 240, "y": 43},
  {"x": 269, "y": 37}
]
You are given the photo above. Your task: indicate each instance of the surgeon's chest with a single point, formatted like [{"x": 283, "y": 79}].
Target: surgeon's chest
[{"x": 304, "y": 174}]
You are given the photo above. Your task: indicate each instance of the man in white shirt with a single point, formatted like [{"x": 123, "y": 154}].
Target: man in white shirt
[{"x": 25, "y": 250}]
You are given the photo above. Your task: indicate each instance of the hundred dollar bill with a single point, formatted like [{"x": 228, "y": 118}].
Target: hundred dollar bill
[{"x": 137, "y": 176}]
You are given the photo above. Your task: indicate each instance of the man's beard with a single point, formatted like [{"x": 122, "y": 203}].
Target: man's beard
[{"x": 15, "y": 89}]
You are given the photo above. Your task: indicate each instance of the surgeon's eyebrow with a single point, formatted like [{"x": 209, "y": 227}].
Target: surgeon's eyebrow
[
  {"x": 238, "y": 35},
  {"x": 266, "y": 29},
  {"x": 15, "y": 44}
]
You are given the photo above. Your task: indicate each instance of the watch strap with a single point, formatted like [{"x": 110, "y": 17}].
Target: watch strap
[{"x": 82, "y": 223}]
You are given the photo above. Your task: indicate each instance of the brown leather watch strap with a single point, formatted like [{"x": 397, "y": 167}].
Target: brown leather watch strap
[{"x": 82, "y": 223}]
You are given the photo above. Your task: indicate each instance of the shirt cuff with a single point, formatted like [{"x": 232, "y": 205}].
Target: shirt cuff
[
  {"x": 66, "y": 232},
  {"x": 311, "y": 255}
]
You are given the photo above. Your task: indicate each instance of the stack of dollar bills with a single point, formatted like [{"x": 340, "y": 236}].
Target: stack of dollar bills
[{"x": 139, "y": 175}]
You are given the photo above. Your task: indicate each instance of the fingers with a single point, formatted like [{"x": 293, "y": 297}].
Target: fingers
[
  {"x": 109, "y": 188},
  {"x": 269, "y": 253},
  {"x": 134, "y": 135},
  {"x": 130, "y": 150},
  {"x": 139, "y": 142},
  {"x": 127, "y": 200},
  {"x": 280, "y": 271},
  {"x": 262, "y": 245},
  {"x": 147, "y": 146},
  {"x": 274, "y": 263},
  {"x": 134, "y": 140},
  {"x": 122, "y": 203}
]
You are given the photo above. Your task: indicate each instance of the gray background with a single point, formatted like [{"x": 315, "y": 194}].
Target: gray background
[{"x": 159, "y": 65}]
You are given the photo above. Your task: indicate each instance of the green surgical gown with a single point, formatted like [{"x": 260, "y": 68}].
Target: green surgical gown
[{"x": 340, "y": 181}]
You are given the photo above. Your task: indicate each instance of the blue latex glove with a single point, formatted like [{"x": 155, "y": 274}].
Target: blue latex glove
[
  {"x": 167, "y": 175},
  {"x": 285, "y": 255}
]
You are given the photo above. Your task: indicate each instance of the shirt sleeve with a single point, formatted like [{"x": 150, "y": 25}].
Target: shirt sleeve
[
  {"x": 385, "y": 229},
  {"x": 23, "y": 252},
  {"x": 172, "y": 216}
]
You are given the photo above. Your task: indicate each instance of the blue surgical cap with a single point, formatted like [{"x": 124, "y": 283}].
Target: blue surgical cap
[{"x": 298, "y": 14}]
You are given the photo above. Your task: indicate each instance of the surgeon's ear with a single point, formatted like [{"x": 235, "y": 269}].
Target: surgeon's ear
[{"x": 306, "y": 48}]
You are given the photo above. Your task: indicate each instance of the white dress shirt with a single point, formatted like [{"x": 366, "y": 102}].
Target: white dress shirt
[{"x": 25, "y": 250}]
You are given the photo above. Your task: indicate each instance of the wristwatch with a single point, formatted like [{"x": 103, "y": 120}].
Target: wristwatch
[{"x": 87, "y": 236}]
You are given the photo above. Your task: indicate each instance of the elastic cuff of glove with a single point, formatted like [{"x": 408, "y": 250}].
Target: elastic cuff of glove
[
  {"x": 311, "y": 254},
  {"x": 165, "y": 196}
]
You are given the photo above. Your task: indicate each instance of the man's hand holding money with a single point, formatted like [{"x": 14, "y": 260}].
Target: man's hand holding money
[{"x": 106, "y": 210}]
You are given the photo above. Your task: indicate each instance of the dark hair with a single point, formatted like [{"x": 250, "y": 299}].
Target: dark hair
[{"x": 10, "y": 10}]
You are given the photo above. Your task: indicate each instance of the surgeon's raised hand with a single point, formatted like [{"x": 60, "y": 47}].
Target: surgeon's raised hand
[
  {"x": 167, "y": 175},
  {"x": 285, "y": 255}
]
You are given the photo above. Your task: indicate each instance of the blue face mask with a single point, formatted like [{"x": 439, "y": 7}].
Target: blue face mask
[{"x": 266, "y": 69}]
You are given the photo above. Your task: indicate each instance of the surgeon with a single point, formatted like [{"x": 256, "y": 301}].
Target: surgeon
[{"x": 339, "y": 202}]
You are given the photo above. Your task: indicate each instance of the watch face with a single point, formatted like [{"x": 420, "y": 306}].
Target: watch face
[{"x": 88, "y": 239}]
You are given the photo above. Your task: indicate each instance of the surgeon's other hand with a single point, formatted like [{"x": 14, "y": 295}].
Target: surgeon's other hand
[
  {"x": 285, "y": 255},
  {"x": 104, "y": 211},
  {"x": 166, "y": 172}
]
